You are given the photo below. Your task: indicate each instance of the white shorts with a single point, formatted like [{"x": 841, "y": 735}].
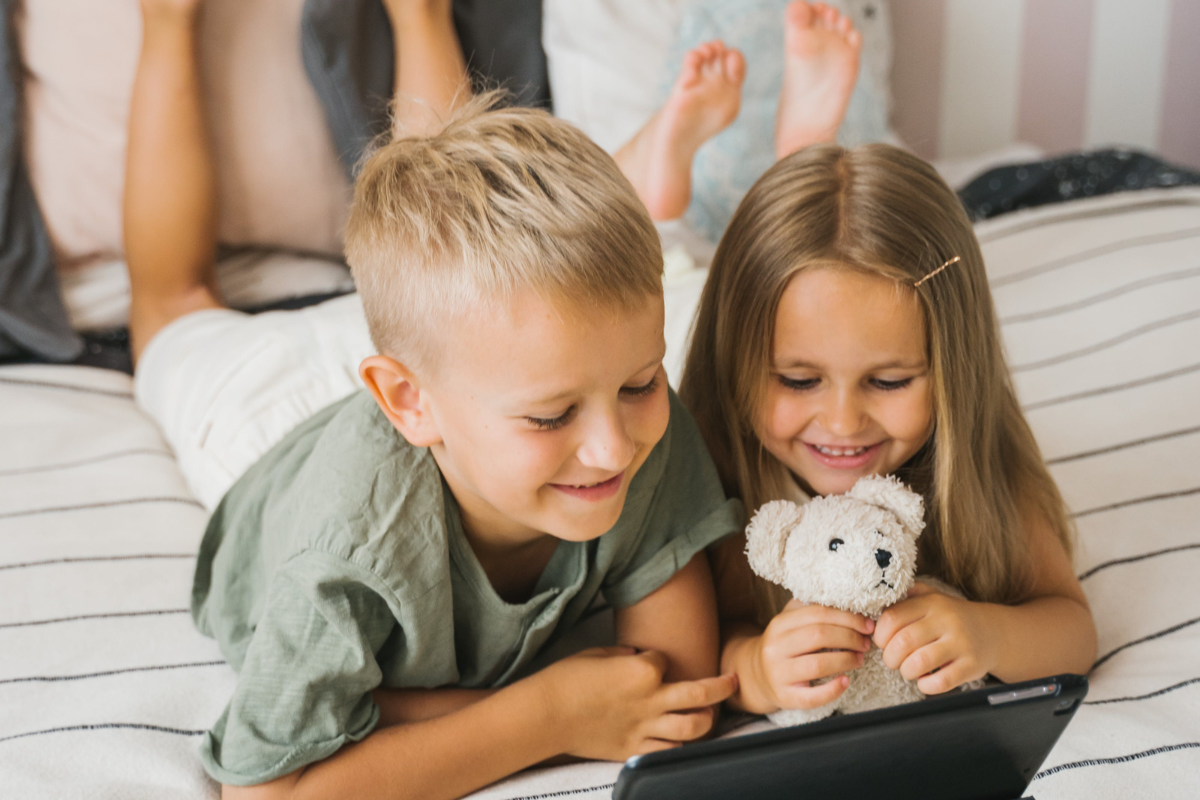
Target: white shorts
[{"x": 225, "y": 386}]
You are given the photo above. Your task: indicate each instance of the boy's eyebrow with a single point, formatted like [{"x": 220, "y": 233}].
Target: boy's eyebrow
[{"x": 568, "y": 392}]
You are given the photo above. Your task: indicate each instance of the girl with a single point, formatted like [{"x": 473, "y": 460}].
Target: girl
[{"x": 847, "y": 329}]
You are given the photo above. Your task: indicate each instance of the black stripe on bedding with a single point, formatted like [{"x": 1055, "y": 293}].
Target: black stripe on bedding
[
  {"x": 1096, "y": 762},
  {"x": 1144, "y": 639},
  {"x": 1090, "y": 213},
  {"x": 81, "y": 617},
  {"x": 68, "y": 387},
  {"x": 109, "y": 672},
  {"x": 1123, "y": 446},
  {"x": 1153, "y": 498},
  {"x": 137, "y": 726},
  {"x": 565, "y": 792},
  {"x": 1141, "y": 330},
  {"x": 1133, "y": 559},
  {"x": 1096, "y": 252},
  {"x": 1159, "y": 693},
  {"x": 82, "y": 560},
  {"x": 1119, "y": 387},
  {"x": 142, "y": 451},
  {"x": 104, "y": 504},
  {"x": 1099, "y": 298}
]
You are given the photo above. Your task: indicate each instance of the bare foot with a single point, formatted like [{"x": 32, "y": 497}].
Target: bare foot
[
  {"x": 821, "y": 49},
  {"x": 705, "y": 99}
]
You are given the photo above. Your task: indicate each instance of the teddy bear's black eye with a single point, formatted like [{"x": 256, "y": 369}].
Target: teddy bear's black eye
[{"x": 834, "y": 543}]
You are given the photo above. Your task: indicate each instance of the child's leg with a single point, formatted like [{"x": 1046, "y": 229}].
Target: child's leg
[
  {"x": 170, "y": 187},
  {"x": 431, "y": 76},
  {"x": 703, "y": 102},
  {"x": 821, "y": 50}
]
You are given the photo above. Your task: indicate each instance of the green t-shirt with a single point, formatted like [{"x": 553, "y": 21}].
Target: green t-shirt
[{"x": 338, "y": 563}]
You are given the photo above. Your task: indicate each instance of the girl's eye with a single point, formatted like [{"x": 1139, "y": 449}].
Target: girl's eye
[
  {"x": 554, "y": 423},
  {"x": 798, "y": 384},
  {"x": 643, "y": 390},
  {"x": 890, "y": 386},
  {"x": 835, "y": 543}
]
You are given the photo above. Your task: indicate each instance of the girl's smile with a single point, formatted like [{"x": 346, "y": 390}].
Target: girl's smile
[{"x": 849, "y": 393}]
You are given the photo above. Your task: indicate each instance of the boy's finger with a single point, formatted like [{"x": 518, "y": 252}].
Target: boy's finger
[
  {"x": 697, "y": 694},
  {"x": 607, "y": 652},
  {"x": 801, "y": 696},
  {"x": 656, "y": 658},
  {"x": 681, "y": 727},
  {"x": 654, "y": 746}
]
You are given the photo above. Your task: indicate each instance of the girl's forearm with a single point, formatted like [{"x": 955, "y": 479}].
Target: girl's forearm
[
  {"x": 739, "y": 649},
  {"x": 444, "y": 757},
  {"x": 1041, "y": 637},
  {"x": 399, "y": 706}
]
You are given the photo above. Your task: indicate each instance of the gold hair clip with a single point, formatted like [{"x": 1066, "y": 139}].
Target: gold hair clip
[{"x": 954, "y": 260}]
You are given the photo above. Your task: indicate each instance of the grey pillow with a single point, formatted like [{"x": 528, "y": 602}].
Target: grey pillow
[
  {"x": 33, "y": 321},
  {"x": 347, "y": 50}
]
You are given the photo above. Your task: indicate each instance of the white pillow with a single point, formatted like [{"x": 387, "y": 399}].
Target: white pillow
[
  {"x": 612, "y": 63},
  {"x": 281, "y": 183}
]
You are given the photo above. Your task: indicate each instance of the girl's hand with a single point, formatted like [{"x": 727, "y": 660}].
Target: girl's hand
[
  {"x": 804, "y": 643},
  {"x": 931, "y": 631},
  {"x": 611, "y": 703}
]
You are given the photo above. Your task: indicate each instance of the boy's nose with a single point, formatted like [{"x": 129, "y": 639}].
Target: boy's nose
[
  {"x": 608, "y": 446},
  {"x": 883, "y": 558}
]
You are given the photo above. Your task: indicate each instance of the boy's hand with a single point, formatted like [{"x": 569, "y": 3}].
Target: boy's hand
[
  {"x": 612, "y": 703},
  {"x": 804, "y": 643},
  {"x": 932, "y": 631}
]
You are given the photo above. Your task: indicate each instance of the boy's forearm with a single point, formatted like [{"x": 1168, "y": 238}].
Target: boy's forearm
[
  {"x": 447, "y": 756},
  {"x": 1041, "y": 637}
]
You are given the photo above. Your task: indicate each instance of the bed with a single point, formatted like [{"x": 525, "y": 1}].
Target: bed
[{"x": 105, "y": 686}]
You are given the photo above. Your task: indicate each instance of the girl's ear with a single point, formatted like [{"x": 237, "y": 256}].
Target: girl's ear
[
  {"x": 890, "y": 493},
  {"x": 766, "y": 538}
]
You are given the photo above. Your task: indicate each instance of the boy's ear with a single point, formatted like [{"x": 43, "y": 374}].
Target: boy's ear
[{"x": 397, "y": 392}]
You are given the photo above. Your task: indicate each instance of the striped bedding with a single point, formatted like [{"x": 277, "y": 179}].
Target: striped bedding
[{"x": 105, "y": 687}]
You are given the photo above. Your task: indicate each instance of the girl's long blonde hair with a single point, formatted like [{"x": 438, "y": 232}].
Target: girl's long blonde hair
[{"x": 883, "y": 211}]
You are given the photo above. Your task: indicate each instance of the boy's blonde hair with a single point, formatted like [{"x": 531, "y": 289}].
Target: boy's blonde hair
[
  {"x": 883, "y": 211},
  {"x": 500, "y": 200}
]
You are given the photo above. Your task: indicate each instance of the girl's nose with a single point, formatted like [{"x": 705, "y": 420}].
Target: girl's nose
[{"x": 844, "y": 417}]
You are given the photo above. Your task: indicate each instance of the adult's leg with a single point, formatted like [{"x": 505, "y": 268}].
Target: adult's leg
[
  {"x": 170, "y": 205},
  {"x": 431, "y": 75}
]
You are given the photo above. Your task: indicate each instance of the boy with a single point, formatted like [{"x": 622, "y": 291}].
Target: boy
[{"x": 383, "y": 574}]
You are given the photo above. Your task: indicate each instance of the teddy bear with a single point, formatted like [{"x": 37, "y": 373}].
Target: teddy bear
[{"x": 856, "y": 552}]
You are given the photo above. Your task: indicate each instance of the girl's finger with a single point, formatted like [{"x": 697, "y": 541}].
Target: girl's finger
[
  {"x": 951, "y": 676},
  {"x": 800, "y": 696},
  {"x": 818, "y": 665},
  {"x": 919, "y": 589},
  {"x": 908, "y": 640},
  {"x": 796, "y": 614},
  {"x": 680, "y": 727},
  {"x": 899, "y": 616},
  {"x": 813, "y": 638},
  {"x": 926, "y": 659}
]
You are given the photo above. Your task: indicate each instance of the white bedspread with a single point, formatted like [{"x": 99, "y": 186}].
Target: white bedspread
[{"x": 105, "y": 686}]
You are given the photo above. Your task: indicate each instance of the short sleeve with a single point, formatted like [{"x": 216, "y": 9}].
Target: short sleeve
[
  {"x": 304, "y": 688},
  {"x": 687, "y": 511}
]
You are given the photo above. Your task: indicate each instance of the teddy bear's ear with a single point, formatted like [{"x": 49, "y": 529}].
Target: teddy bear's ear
[
  {"x": 766, "y": 537},
  {"x": 892, "y": 494}
]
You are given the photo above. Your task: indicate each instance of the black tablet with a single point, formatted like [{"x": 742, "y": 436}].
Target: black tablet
[{"x": 980, "y": 745}]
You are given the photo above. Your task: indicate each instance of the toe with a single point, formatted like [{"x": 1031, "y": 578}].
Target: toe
[
  {"x": 735, "y": 66},
  {"x": 801, "y": 14},
  {"x": 854, "y": 38}
]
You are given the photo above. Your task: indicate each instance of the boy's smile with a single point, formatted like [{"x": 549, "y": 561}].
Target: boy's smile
[
  {"x": 849, "y": 394},
  {"x": 544, "y": 412}
]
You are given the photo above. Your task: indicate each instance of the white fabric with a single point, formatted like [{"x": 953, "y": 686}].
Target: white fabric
[
  {"x": 96, "y": 521},
  {"x": 225, "y": 387}
]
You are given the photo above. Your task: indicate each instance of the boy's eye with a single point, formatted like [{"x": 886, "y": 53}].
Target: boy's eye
[
  {"x": 890, "y": 386},
  {"x": 798, "y": 384},
  {"x": 552, "y": 423},
  {"x": 643, "y": 390}
]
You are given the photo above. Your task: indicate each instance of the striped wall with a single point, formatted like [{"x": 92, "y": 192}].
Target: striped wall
[{"x": 973, "y": 75}]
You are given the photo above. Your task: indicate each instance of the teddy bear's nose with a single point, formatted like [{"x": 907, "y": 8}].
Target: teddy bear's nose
[{"x": 883, "y": 558}]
